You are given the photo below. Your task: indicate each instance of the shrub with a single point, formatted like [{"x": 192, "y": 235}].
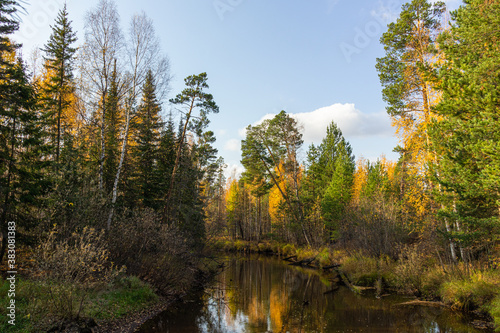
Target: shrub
[
  {"x": 432, "y": 281},
  {"x": 324, "y": 257},
  {"x": 288, "y": 250},
  {"x": 71, "y": 267},
  {"x": 239, "y": 245},
  {"x": 410, "y": 269},
  {"x": 360, "y": 269},
  {"x": 155, "y": 252}
]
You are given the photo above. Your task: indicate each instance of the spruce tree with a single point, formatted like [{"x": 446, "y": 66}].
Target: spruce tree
[
  {"x": 113, "y": 120},
  {"x": 149, "y": 126},
  {"x": 59, "y": 58},
  {"x": 332, "y": 169},
  {"x": 8, "y": 25},
  {"x": 22, "y": 151}
]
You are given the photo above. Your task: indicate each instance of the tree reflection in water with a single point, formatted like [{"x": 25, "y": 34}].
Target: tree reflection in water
[{"x": 263, "y": 294}]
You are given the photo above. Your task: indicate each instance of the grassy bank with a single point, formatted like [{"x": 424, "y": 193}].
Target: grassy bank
[
  {"x": 41, "y": 305},
  {"x": 465, "y": 289}
]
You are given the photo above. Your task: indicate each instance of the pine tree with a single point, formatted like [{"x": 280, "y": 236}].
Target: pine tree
[
  {"x": 410, "y": 46},
  {"x": 467, "y": 137},
  {"x": 193, "y": 98},
  {"x": 59, "y": 57}
]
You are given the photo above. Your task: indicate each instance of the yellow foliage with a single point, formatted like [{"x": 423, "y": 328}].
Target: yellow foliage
[
  {"x": 276, "y": 200},
  {"x": 71, "y": 120},
  {"x": 360, "y": 179},
  {"x": 231, "y": 195}
]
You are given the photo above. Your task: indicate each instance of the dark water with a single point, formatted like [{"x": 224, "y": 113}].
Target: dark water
[{"x": 262, "y": 294}]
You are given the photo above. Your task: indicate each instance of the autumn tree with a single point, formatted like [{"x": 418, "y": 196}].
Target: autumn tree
[
  {"x": 103, "y": 43},
  {"x": 268, "y": 145},
  {"x": 410, "y": 48},
  {"x": 409, "y": 45},
  {"x": 145, "y": 57}
]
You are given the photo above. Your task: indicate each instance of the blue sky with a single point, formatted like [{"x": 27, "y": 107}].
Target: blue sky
[{"x": 314, "y": 59}]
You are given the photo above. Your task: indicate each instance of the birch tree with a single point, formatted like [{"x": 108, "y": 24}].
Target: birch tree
[
  {"x": 103, "y": 43},
  {"x": 144, "y": 56}
]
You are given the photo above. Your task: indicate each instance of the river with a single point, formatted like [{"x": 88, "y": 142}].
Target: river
[{"x": 264, "y": 294}]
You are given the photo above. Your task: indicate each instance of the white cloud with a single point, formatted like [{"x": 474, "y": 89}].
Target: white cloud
[
  {"x": 243, "y": 131},
  {"x": 233, "y": 170},
  {"x": 232, "y": 145},
  {"x": 352, "y": 122}
]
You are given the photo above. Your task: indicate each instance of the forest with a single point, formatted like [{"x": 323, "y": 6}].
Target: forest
[{"x": 116, "y": 204}]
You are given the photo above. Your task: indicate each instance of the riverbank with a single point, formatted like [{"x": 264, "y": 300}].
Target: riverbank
[
  {"x": 121, "y": 305},
  {"x": 465, "y": 289}
]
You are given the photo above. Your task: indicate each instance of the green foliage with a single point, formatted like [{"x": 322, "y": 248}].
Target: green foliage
[
  {"x": 34, "y": 302},
  {"x": 408, "y": 44},
  {"x": 146, "y": 151},
  {"x": 467, "y": 136},
  {"x": 495, "y": 312},
  {"x": 113, "y": 119},
  {"x": 59, "y": 62}
]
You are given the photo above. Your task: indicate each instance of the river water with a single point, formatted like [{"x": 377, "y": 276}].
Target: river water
[{"x": 264, "y": 294}]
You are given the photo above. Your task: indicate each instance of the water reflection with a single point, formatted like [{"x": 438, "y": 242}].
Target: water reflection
[{"x": 266, "y": 295}]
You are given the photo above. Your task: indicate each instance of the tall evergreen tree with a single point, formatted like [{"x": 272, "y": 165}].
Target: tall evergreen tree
[
  {"x": 113, "y": 120},
  {"x": 59, "y": 59},
  {"x": 332, "y": 173},
  {"x": 467, "y": 138},
  {"x": 21, "y": 150},
  {"x": 8, "y": 25},
  {"x": 193, "y": 98},
  {"x": 149, "y": 126}
]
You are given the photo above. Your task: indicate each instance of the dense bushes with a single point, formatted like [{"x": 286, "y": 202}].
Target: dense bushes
[{"x": 156, "y": 252}]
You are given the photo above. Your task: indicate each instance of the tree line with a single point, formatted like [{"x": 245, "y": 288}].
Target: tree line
[
  {"x": 440, "y": 84},
  {"x": 86, "y": 142}
]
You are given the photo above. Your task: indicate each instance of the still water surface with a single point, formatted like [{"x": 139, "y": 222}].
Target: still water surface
[{"x": 264, "y": 294}]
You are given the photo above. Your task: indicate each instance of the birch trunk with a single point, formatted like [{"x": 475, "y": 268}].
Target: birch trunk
[{"x": 119, "y": 170}]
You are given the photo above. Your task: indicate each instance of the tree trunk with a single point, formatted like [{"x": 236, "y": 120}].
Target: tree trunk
[
  {"x": 166, "y": 209},
  {"x": 119, "y": 170}
]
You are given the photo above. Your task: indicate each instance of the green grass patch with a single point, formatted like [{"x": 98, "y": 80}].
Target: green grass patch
[
  {"x": 126, "y": 295},
  {"x": 475, "y": 292},
  {"x": 37, "y": 302}
]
